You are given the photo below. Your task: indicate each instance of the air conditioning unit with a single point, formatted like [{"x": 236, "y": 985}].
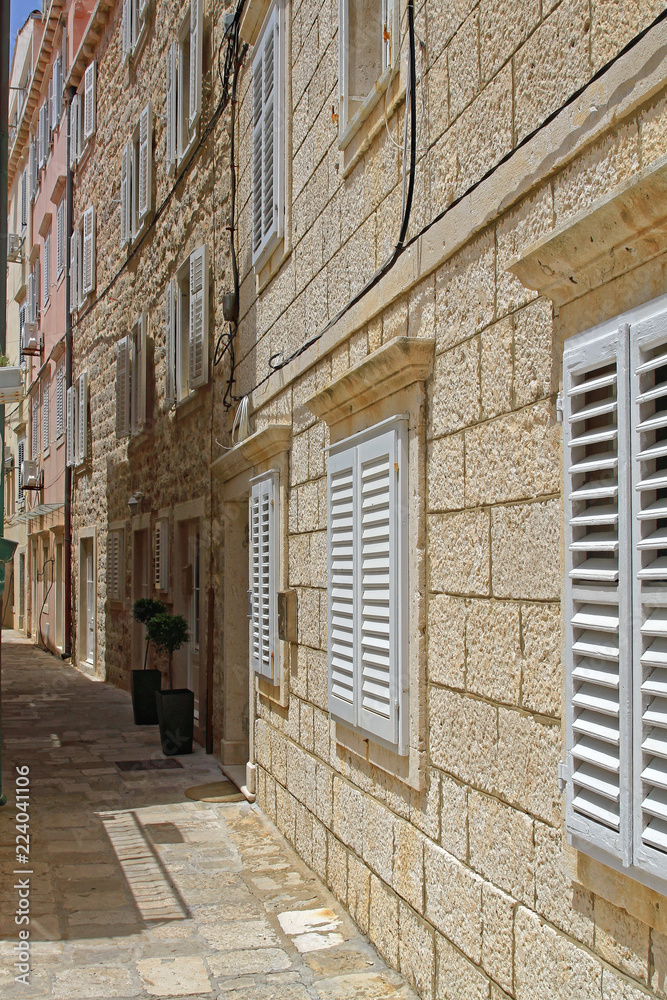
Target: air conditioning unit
[
  {"x": 32, "y": 343},
  {"x": 14, "y": 248},
  {"x": 9, "y": 458},
  {"x": 31, "y": 475}
]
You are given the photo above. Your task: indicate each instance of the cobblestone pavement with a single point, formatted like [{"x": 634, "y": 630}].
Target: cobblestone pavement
[{"x": 137, "y": 891}]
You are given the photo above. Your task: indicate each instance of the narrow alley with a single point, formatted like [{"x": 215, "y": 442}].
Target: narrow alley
[{"x": 137, "y": 890}]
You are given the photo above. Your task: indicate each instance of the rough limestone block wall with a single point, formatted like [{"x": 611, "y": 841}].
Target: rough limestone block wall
[
  {"x": 465, "y": 885},
  {"x": 169, "y": 463}
]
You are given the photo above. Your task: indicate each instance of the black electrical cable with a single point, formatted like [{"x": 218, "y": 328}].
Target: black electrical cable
[
  {"x": 46, "y": 597},
  {"x": 273, "y": 367}
]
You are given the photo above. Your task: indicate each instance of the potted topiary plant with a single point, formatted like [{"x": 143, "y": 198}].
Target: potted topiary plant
[
  {"x": 175, "y": 707},
  {"x": 146, "y": 682}
]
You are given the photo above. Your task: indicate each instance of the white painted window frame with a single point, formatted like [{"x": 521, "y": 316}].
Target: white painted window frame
[
  {"x": 264, "y": 520},
  {"x": 265, "y": 237},
  {"x": 349, "y": 123}
]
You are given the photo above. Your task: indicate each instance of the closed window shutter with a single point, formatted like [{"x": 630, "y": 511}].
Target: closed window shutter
[
  {"x": 74, "y": 271},
  {"x": 60, "y": 400},
  {"x": 123, "y": 387},
  {"x": 35, "y": 425},
  {"x": 597, "y": 591},
  {"x": 172, "y": 57},
  {"x": 264, "y": 576},
  {"x": 24, "y": 198},
  {"x": 267, "y": 133},
  {"x": 49, "y": 113},
  {"x": 34, "y": 169},
  {"x": 196, "y": 59},
  {"x": 60, "y": 237},
  {"x": 40, "y": 136},
  {"x": 22, "y": 322},
  {"x": 111, "y": 565},
  {"x": 161, "y": 560},
  {"x": 127, "y": 28},
  {"x": 649, "y": 499},
  {"x": 198, "y": 370},
  {"x": 45, "y": 416},
  {"x": 145, "y": 162},
  {"x": 257, "y": 130},
  {"x": 82, "y": 419},
  {"x": 53, "y": 95},
  {"x": 379, "y": 584},
  {"x": 89, "y": 99},
  {"x": 71, "y": 425},
  {"x": 138, "y": 377},
  {"x": 342, "y": 623},
  {"x": 125, "y": 195},
  {"x": 47, "y": 269},
  {"x": 30, "y": 297},
  {"x": 170, "y": 343},
  {"x": 73, "y": 131},
  {"x": 88, "y": 278},
  {"x": 21, "y": 450},
  {"x": 35, "y": 292}
]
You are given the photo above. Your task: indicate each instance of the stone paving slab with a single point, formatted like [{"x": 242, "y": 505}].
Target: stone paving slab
[{"x": 139, "y": 892}]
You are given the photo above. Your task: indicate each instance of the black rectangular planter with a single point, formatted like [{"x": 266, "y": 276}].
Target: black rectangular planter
[
  {"x": 144, "y": 685},
  {"x": 176, "y": 714}
]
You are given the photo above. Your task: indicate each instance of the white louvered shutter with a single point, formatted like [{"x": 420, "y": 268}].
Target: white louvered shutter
[
  {"x": 74, "y": 132},
  {"x": 342, "y": 624},
  {"x": 24, "y": 198},
  {"x": 196, "y": 59},
  {"x": 144, "y": 199},
  {"x": 35, "y": 426},
  {"x": 60, "y": 400},
  {"x": 21, "y": 450},
  {"x": 88, "y": 270},
  {"x": 112, "y": 565},
  {"x": 138, "y": 377},
  {"x": 172, "y": 59},
  {"x": 31, "y": 298},
  {"x": 123, "y": 387},
  {"x": 35, "y": 292},
  {"x": 170, "y": 343},
  {"x": 45, "y": 416},
  {"x": 71, "y": 426},
  {"x": 54, "y": 96},
  {"x": 89, "y": 100},
  {"x": 49, "y": 112},
  {"x": 597, "y": 591},
  {"x": 267, "y": 137},
  {"x": 34, "y": 168},
  {"x": 379, "y": 584},
  {"x": 649, "y": 498},
  {"x": 74, "y": 271},
  {"x": 198, "y": 368},
  {"x": 126, "y": 195},
  {"x": 46, "y": 270},
  {"x": 127, "y": 28},
  {"x": 264, "y": 578},
  {"x": 161, "y": 555},
  {"x": 60, "y": 237},
  {"x": 40, "y": 137},
  {"x": 82, "y": 418}
]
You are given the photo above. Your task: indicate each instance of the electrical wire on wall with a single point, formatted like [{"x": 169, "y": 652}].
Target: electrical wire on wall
[{"x": 46, "y": 597}]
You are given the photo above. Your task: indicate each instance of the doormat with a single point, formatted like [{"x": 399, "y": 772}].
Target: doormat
[
  {"x": 216, "y": 791},
  {"x": 159, "y": 764}
]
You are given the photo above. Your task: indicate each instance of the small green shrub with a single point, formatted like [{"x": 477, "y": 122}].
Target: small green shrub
[{"x": 168, "y": 633}]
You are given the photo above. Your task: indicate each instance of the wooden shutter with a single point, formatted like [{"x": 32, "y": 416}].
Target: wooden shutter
[
  {"x": 161, "y": 555},
  {"x": 172, "y": 59},
  {"x": 170, "y": 343},
  {"x": 342, "y": 619},
  {"x": 196, "y": 59},
  {"x": 35, "y": 425},
  {"x": 145, "y": 190},
  {"x": 71, "y": 426},
  {"x": 125, "y": 195},
  {"x": 74, "y": 270},
  {"x": 597, "y": 591},
  {"x": 267, "y": 137},
  {"x": 45, "y": 415},
  {"x": 264, "y": 557},
  {"x": 123, "y": 387},
  {"x": 138, "y": 376},
  {"x": 89, "y": 99},
  {"x": 82, "y": 419},
  {"x": 60, "y": 400},
  {"x": 649, "y": 499},
  {"x": 88, "y": 270},
  {"x": 198, "y": 373}
]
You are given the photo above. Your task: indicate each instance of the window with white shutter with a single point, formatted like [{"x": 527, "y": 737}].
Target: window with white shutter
[
  {"x": 115, "y": 564},
  {"x": 89, "y": 101},
  {"x": 71, "y": 425},
  {"x": 161, "y": 555},
  {"x": 189, "y": 76},
  {"x": 264, "y": 554},
  {"x": 133, "y": 25},
  {"x": 368, "y": 590},
  {"x": 74, "y": 130},
  {"x": 126, "y": 195},
  {"x": 21, "y": 457},
  {"x": 24, "y": 199},
  {"x": 170, "y": 342},
  {"x": 49, "y": 115},
  {"x": 34, "y": 168},
  {"x": 60, "y": 400},
  {"x": 196, "y": 55},
  {"x": 22, "y": 323},
  {"x": 138, "y": 375},
  {"x": 367, "y": 37},
  {"x": 123, "y": 387},
  {"x": 88, "y": 263},
  {"x": 198, "y": 373},
  {"x": 34, "y": 426},
  {"x": 171, "y": 101},
  {"x": 82, "y": 419},
  {"x": 74, "y": 270},
  {"x": 45, "y": 415},
  {"x": 267, "y": 138},
  {"x": 145, "y": 165},
  {"x": 60, "y": 237},
  {"x": 127, "y": 29},
  {"x": 46, "y": 293}
]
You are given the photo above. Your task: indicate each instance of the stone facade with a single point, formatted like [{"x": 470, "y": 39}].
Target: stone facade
[{"x": 452, "y": 857}]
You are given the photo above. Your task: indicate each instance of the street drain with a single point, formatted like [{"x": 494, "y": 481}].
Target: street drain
[{"x": 159, "y": 764}]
